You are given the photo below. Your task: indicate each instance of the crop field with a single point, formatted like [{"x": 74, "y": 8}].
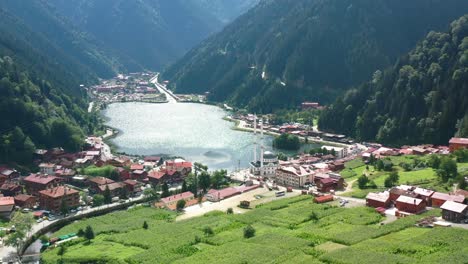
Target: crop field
[{"x": 286, "y": 232}]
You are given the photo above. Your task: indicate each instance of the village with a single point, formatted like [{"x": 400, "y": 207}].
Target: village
[
  {"x": 67, "y": 183},
  {"x": 73, "y": 185},
  {"x": 132, "y": 87}
]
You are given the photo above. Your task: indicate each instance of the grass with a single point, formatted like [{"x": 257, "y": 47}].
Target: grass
[
  {"x": 104, "y": 171},
  {"x": 285, "y": 233}
]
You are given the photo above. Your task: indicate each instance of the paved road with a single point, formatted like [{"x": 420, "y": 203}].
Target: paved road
[{"x": 171, "y": 98}]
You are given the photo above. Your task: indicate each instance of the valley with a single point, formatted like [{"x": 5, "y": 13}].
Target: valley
[{"x": 233, "y": 131}]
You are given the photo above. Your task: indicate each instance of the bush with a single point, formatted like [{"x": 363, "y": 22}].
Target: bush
[
  {"x": 208, "y": 231},
  {"x": 229, "y": 211},
  {"x": 145, "y": 225},
  {"x": 180, "y": 205},
  {"x": 249, "y": 231}
]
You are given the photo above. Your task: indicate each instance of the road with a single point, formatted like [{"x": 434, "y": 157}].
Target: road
[
  {"x": 242, "y": 125},
  {"x": 171, "y": 98},
  {"x": 9, "y": 253}
]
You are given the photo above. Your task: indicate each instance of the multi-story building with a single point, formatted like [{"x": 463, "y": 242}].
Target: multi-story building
[
  {"x": 52, "y": 199},
  {"x": 293, "y": 176},
  {"x": 35, "y": 183}
]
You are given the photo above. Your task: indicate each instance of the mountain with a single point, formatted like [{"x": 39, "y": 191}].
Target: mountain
[
  {"x": 282, "y": 52},
  {"x": 151, "y": 33},
  {"x": 422, "y": 99},
  {"x": 52, "y": 35},
  {"x": 41, "y": 104},
  {"x": 225, "y": 10}
]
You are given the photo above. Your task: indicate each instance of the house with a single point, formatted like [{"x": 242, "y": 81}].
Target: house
[
  {"x": 424, "y": 194},
  {"x": 139, "y": 174},
  {"x": 405, "y": 190},
  {"x": 135, "y": 167},
  {"x": 25, "y": 200},
  {"x": 293, "y": 176},
  {"x": 133, "y": 187},
  {"x": 157, "y": 177},
  {"x": 9, "y": 174},
  {"x": 95, "y": 182},
  {"x": 52, "y": 199},
  {"x": 7, "y": 205},
  {"x": 35, "y": 183},
  {"x": 172, "y": 200},
  {"x": 115, "y": 188},
  {"x": 337, "y": 151},
  {"x": 10, "y": 189},
  {"x": 154, "y": 159},
  {"x": 438, "y": 198},
  {"x": 377, "y": 200},
  {"x": 410, "y": 205},
  {"x": 218, "y": 195},
  {"x": 458, "y": 143},
  {"x": 310, "y": 105},
  {"x": 179, "y": 165},
  {"x": 336, "y": 166},
  {"x": 123, "y": 173},
  {"x": 326, "y": 182},
  {"x": 47, "y": 168},
  {"x": 454, "y": 212}
]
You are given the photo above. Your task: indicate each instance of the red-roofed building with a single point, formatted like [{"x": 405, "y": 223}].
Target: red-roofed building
[
  {"x": 179, "y": 165},
  {"x": 171, "y": 200},
  {"x": 410, "y": 205},
  {"x": 324, "y": 198},
  {"x": 123, "y": 173},
  {"x": 156, "y": 177},
  {"x": 115, "y": 188},
  {"x": 218, "y": 195},
  {"x": 10, "y": 189},
  {"x": 95, "y": 182},
  {"x": 137, "y": 167},
  {"x": 35, "y": 183},
  {"x": 52, "y": 199},
  {"x": 7, "y": 205},
  {"x": 438, "y": 198},
  {"x": 139, "y": 174},
  {"x": 377, "y": 200},
  {"x": 25, "y": 201},
  {"x": 458, "y": 143},
  {"x": 133, "y": 187}
]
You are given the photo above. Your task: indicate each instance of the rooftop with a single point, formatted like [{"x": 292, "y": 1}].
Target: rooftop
[
  {"x": 455, "y": 140},
  {"x": 381, "y": 197},
  {"x": 177, "y": 197},
  {"x": 448, "y": 197},
  {"x": 40, "y": 178},
  {"x": 409, "y": 200},
  {"x": 58, "y": 191},
  {"x": 454, "y": 207},
  {"x": 100, "y": 180},
  {"x": 7, "y": 201}
]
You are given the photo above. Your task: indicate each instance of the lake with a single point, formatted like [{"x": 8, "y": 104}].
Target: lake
[{"x": 195, "y": 132}]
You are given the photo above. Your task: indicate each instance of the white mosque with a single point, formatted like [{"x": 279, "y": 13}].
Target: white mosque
[{"x": 267, "y": 164}]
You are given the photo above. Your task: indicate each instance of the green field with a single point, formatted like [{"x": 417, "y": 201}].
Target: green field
[
  {"x": 424, "y": 177},
  {"x": 285, "y": 233}
]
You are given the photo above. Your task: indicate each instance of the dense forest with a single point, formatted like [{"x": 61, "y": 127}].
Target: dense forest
[
  {"x": 283, "y": 52},
  {"x": 35, "y": 114},
  {"x": 422, "y": 99}
]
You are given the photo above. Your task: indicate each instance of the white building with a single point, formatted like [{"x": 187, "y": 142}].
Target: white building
[
  {"x": 267, "y": 164},
  {"x": 339, "y": 152}
]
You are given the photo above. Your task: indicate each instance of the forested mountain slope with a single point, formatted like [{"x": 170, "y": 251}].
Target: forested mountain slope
[
  {"x": 36, "y": 25},
  {"x": 420, "y": 100},
  {"x": 151, "y": 33},
  {"x": 283, "y": 52}
]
